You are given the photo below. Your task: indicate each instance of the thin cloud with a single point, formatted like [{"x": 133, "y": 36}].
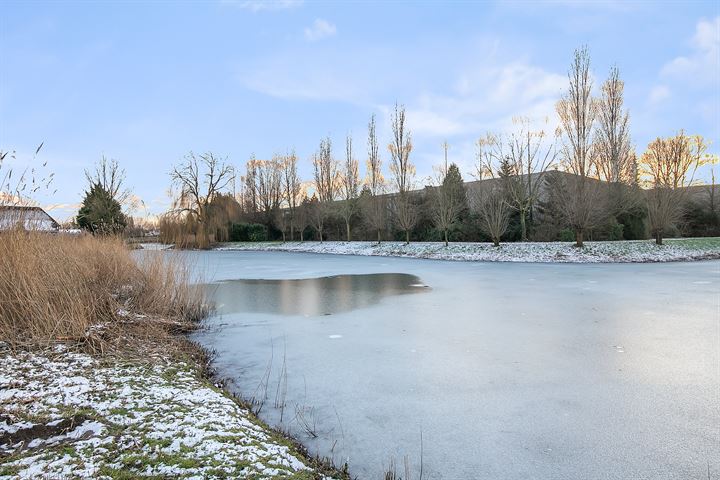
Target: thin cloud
[
  {"x": 320, "y": 29},
  {"x": 488, "y": 98},
  {"x": 260, "y": 5},
  {"x": 658, "y": 94},
  {"x": 611, "y": 5},
  {"x": 702, "y": 66},
  {"x": 333, "y": 76}
]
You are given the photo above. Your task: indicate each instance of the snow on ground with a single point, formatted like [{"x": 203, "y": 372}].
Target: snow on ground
[
  {"x": 154, "y": 246},
  {"x": 593, "y": 252},
  {"x": 69, "y": 415}
]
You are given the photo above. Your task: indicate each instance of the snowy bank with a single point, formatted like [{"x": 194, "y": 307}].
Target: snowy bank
[
  {"x": 593, "y": 252},
  {"x": 70, "y": 415}
]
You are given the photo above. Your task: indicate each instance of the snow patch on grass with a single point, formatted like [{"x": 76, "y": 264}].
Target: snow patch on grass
[
  {"x": 70, "y": 415},
  {"x": 551, "y": 252}
]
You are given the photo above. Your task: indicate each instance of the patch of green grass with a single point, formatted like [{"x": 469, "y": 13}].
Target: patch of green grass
[
  {"x": 69, "y": 411},
  {"x": 69, "y": 450},
  {"x": 124, "y": 474},
  {"x": 704, "y": 243},
  {"x": 140, "y": 462},
  {"x": 8, "y": 470},
  {"x": 157, "y": 443},
  {"x": 217, "y": 473},
  {"x": 119, "y": 411},
  {"x": 178, "y": 459},
  {"x": 115, "y": 430},
  {"x": 169, "y": 374},
  {"x": 301, "y": 475}
]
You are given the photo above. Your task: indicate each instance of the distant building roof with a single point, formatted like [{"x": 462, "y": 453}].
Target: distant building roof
[{"x": 29, "y": 218}]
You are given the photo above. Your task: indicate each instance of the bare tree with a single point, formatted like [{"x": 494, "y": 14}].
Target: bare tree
[
  {"x": 521, "y": 159},
  {"x": 282, "y": 221},
  {"x": 301, "y": 219},
  {"x": 490, "y": 202},
  {"x": 268, "y": 178},
  {"x": 616, "y": 160},
  {"x": 111, "y": 178},
  {"x": 350, "y": 186},
  {"x": 670, "y": 165},
  {"x": 250, "y": 201},
  {"x": 711, "y": 190},
  {"x": 664, "y": 210},
  {"x": 447, "y": 199},
  {"x": 446, "y": 146},
  {"x": 317, "y": 214},
  {"x": 200, "y": 179},
  {"x": 373, "y": 202},
  {"x": 325, "y": 172},
  {"x": 403, "y": 171},
  {"x": 583, "y": 207},
  {"x": 292, "y": 188}
]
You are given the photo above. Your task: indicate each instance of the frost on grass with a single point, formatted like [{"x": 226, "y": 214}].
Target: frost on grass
[
  {"x": 69, "y": 415},
  {"x": 556, "y": 252}
]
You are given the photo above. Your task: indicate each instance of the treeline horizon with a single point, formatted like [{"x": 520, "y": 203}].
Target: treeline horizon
[
  {"x": 607, "y": 192},
  {"x": 611, "y": 193}
]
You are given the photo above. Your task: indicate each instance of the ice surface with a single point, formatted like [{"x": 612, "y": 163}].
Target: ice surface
[{"x": 550, "y": 371}]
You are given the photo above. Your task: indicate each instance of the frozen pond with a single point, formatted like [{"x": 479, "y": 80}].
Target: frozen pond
[{"x": 506, "y": 370}]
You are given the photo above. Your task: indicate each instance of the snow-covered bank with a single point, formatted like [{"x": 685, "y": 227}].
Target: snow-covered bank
[
  {"x": 153, "y": 246},
  {"x": 70, "y": 415},
  {"x": 593, "y": 252}
]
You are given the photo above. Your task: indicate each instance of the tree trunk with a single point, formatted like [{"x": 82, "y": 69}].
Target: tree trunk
[
  {"x": 407, "y": 237},
  {"x": 301, "y": 236},
  {"x": 446, "y": 239},
  {"x": 523, "y": 227},
  {"x": 579, "y": 239},
  {"x": 378, "y": 236},
  {"x": 202, "y": 239},
  {"x": 496, "y": 242},
  {"x": 347, "y": 225},
  {"x": 530, "y": 213},
  {"x": 283, "y": 233},
  {"x": 320, "y": 233},
  {"x": 658, "y": 238},
  {"x": 292, "y": 232}
]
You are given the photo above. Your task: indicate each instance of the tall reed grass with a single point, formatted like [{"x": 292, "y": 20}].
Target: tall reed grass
[{"x": 90, "y": 290}]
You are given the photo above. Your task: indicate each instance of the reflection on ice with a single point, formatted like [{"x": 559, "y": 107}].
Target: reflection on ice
[{"x": 311, "y": 296}]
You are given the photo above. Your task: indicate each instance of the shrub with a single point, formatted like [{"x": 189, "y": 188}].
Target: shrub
[
  {"x": 257, "y": 232},
  {"x": 567, "y": 235},
  {"x": 248, "y": 232},
  {"x": 633, "y": 223},
  {"x": 700, "y": 221},
  {"x": 616, "y": 231}
]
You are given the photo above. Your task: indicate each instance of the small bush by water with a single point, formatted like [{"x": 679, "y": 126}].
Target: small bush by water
[{"x": 248, "y": 232}]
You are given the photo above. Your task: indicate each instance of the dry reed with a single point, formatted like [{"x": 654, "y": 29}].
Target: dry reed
[{"x": 91, "y": 290}]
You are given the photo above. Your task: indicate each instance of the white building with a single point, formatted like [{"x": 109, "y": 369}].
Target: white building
[{"x": 27, "y": 218}]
